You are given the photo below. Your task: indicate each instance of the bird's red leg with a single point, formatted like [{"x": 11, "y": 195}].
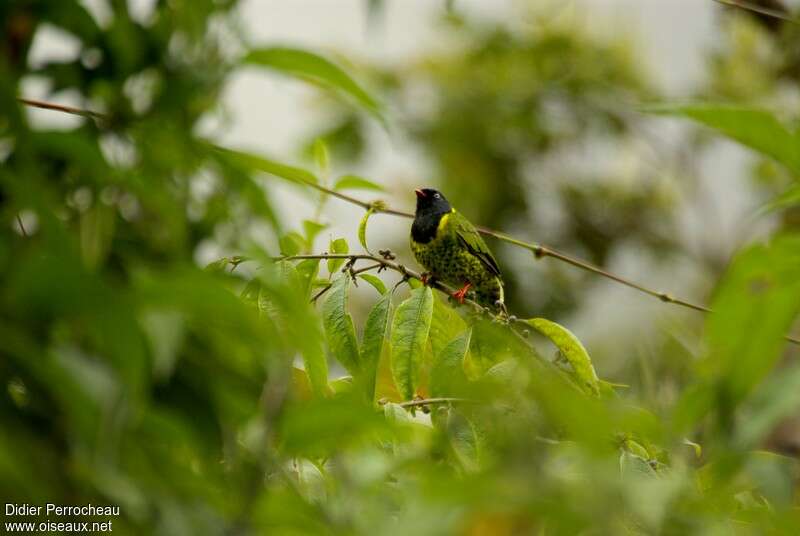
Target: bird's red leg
[
  {"x": 461, "y": 294},
  {"x": 426, "y": 278}
]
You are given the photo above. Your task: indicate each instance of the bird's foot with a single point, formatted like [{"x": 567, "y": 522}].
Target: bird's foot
[
  {"x": 460, "y": 295},
  {"x": 427, "y": 278}
]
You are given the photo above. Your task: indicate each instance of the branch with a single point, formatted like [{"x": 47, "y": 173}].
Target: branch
[
  {"x": 384, "y": 262},
  {"x": 429, "y": 401},
  {"x": 538, "y": 250},
  {"x": 61, "y": 108},
  {"x": 761, "y": 10}
]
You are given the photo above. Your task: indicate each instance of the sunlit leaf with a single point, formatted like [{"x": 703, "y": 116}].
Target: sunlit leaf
[
  {"x": 375, "y": 281},
  {"x": 375, "y": 333},
  {"x": 338, "y": 246},
  {"x": 572, "y": 350},
  {"x": 410, "y": 327},
  {"x": 362, "y": 228},
  {"x": 339, "y": 326}
]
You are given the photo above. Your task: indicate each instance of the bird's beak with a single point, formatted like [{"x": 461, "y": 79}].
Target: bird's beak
[{"x": 420, "y": 193}]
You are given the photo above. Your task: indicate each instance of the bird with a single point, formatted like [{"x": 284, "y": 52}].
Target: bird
[{"x": 451, "y": 250}]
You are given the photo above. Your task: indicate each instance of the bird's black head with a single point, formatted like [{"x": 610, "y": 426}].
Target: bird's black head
[
  {"x": 431, "y": 202},
  {"x": 431, "y": 206}
]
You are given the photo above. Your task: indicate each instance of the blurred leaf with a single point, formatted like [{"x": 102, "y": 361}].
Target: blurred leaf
[
  {"x": 259, "y": 163},
  {"x": 362, "y": 229},
  {"x": 292, "y": 243},
  {"x": 755, "y": 305},
  {"x": 321, "y": 156},
  {"x": 758, "y": 129},
  {"x": 307, "y": 271},
  {"x": 339, "y": 326},
  {"x": 375, "y": 281},
  {"x": 789, "y": 198},
  {"x": 410, "y": 327},
  {"x": 572, "y": 350},
  {"x": 446, "y": 325},
  {"x": 337, "y": 246},
  {"x": 375, "y": 333},
  {"x": 353, "y": 182},
  {"x": 325, "y": 426},
  {"x": 464, "y": 439},
  {"x": 315, "y": 69},
  {"x": 447, "y": 372},
  {"x": 774, "y": 401},
  {"x": 312, "y": 230}
]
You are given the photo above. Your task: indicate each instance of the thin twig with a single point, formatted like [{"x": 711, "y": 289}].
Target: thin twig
[
  {"x": 61, "y": 108},
  {"x": 391, "y": 265},
  {"x": 429, "y": 401},
  {"x": 761, "y": 10},
  {"x": 21, "y": 227}
]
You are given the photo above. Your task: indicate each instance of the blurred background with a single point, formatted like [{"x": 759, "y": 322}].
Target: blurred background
[{"x": 529, "y": 116}]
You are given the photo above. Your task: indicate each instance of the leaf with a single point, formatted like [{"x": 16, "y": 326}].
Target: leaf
[
  {"x": 446, "y": 324},
  {"x": 339, "y": 328},
  {"x": 375, "y": 333},
  {"x": 464, "y": 439},
  {"x": 291, "y": 243},
  {"x": 789, "y": 198},
  {"x": 337, "y": 246},
  {"x": 410, "y": 328},
  {"x": 362, "y": 228},
  {"x": 354, "y": 182},
  {"x": 572, "y": 350},
  {"x": 315, "y": 69},
  {"x": 312, "y": 230},
  {"x": 260, "y": 163},
  {"x": 321, "y": 156},
  {"x": 755, "y": 305},
  {"x": 755, "y": 128},
  {"x": 774, "y": 401},
  {"x": 447, "y": 371},
  {"x": 375, "y": 281},
  {"x": 307, "y": 271}
]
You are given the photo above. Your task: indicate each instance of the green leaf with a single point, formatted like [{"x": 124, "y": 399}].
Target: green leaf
[
  {"x": 446, "y": 325},
  {"x": 447, "y": 371},
  {"x": 410, "y": 328},
  {"x": 292, "y": 243},
  {"x": 307, "y": 270},
  {"x": 757, "y": 129},
  {"x": 260, "y": 163},
  {"x": 312, "y": 230},
  {"x": 755, "y": 305},
  {"x": 572, "y": 350},
  {"x": 321, "y": 156},
  {"x": 464, "y": 439},
  {"x": 375, "y": 333},
  {"x": 375, "y": 281},
  {"x": 774, "y": 401},
  {"x": 315, "y": 69},
  {"x": 354, "y": 182},
  {"x": 339, "y": 328},
  {"x": 337, "y": 246},
  {"x": 362, "y": 228},
  {"x": 789, "y": 198}
]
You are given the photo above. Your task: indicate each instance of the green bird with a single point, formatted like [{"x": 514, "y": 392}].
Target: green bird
[{"x": 450, "y": 249}]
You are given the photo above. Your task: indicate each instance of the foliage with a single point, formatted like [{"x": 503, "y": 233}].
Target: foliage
[{"x": 206, "y": 399}]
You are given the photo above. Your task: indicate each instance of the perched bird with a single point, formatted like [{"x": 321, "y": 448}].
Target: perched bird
[{"x": 450, "y": 249}]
